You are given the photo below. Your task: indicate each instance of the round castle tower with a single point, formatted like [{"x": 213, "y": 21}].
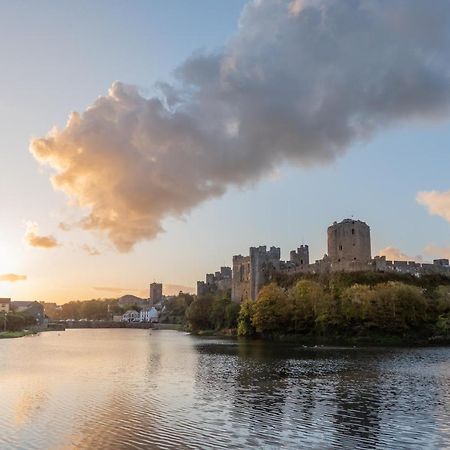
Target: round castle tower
[{"x": 349, "y": 244}]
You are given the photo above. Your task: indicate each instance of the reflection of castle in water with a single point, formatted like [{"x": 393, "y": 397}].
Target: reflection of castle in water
[{"x": 349, "y": 250}]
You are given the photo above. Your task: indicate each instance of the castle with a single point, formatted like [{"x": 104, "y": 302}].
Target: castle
[
  {"x": 349, "y": 250},
  {"x": 219, "y": 281}
]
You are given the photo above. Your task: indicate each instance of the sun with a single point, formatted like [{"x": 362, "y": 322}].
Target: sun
[{"x": 9, "y": 257}]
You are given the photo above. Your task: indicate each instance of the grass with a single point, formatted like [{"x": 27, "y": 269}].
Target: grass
[{"x": 15, "y": 334}]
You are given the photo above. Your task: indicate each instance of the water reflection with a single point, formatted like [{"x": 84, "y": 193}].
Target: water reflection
[{"x": 129, "y": 389}]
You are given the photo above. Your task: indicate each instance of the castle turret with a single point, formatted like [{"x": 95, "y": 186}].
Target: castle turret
[{"x": 301, "y": 256}]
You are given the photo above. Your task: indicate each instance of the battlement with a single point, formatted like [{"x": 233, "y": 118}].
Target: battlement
[
  {"x": 217, "y": 281},
  {"x": 274, "y": 253},
  {"x": 412, "y": 267}
]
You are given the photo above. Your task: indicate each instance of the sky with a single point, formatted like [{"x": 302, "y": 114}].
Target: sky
[{"x": 203, "y": 128}]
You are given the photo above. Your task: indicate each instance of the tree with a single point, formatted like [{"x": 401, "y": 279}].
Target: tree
[
  {"x": 199, "y": 314},
  {"x": 232, "y": 314},
  {"x": 272, "y": 310},
  {"x": 357, "y": 303},
  {"x": 245, "y": 324},
  {"x": 305, "y": 297},
  {"x": 16, "y": 321}
]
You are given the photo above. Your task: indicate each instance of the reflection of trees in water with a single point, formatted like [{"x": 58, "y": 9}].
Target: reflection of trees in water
[
  {"x": 336, "y": 401},
  {"x": 314, "y": 398},
  {"x": 219, "y": 394},
  {"x": 252, "y": 382},
  {"x": 358, "y": 400}
]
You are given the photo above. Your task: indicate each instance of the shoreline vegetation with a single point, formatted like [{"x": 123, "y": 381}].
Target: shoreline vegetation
[
  {"x": 16, "y": 334},
  {"x": 336, "y": 309},
  {"x": 17, "y": 325},
  {"x": 357, "y": 309}
]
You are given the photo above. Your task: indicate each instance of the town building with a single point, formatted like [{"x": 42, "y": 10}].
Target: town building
[
  {"x": 5, "y": 305},
  {"x": 33, "y": 309},
  {"x": 156, "y": 293},
  {"x": 150, "y": 315},
  {"x": 130, "y": 316},
  {"x": 215, "y": 282}
]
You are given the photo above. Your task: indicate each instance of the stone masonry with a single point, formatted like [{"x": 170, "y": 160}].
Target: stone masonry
[{"x": 349, "y": 250}]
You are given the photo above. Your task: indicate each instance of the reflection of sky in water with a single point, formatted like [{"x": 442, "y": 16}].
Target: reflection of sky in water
[{"x": 132, "y": 389}]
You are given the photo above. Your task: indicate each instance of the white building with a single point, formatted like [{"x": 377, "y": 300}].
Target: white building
[
  {"x": 149, "y": 315},
  {"x": 131, "y": 316}
]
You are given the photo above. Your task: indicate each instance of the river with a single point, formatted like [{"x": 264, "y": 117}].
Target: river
[{"x": 134, "y": 389}]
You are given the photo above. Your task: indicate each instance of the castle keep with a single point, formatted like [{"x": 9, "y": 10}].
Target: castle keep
[
  {"x": 349, "y": 245},
  {"x": 349, "y": 250}
]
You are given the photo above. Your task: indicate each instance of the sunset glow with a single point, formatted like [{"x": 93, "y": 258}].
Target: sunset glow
[{"x": 151, "y": 160}]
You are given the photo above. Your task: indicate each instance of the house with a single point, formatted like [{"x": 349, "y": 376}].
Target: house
[
  {"x": 149, "y": 315},
  {"x": 130, "y": 316},
  {"x": 33, "y": 309},
  {"x": 5, "y": 305}
]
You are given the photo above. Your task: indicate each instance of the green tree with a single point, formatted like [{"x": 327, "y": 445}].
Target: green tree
[
  {"x": 305, "y": 297},
  {"x": 356, "y": 306},
  {"x": 16, "y": 321},
  {"x": 398, "y": 307},
  {"x": 232, "y": 314},
  {"x": 245, "y": 323},
  {"x": 272, "y": 310},
  {"x": 198, "y": 314}
]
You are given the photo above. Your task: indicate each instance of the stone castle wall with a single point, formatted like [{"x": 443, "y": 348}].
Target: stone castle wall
[
  {"x": 214, "y": 282},
  {"x": 349, "y": 250},
  {"x": 439, "y": 266},
  {"x": 240, "y": 286}
]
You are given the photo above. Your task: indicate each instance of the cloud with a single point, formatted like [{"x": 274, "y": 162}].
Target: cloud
[
  {"x": 33, "y": 239},
  {"x": 12, "y": 277},
  {"x": 300, "y": 82},
  {"x": 439, "y": 252},
  {"x": 437, "y": 203},
  {"x": 395, "y": 254},
  {"x": 90, "y": 250}
]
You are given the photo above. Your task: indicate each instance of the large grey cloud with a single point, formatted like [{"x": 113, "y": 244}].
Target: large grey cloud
[{"x": 300, "y": 82}]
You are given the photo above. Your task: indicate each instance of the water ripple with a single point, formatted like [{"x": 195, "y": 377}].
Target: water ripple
[{"x": 126, "y": 389}]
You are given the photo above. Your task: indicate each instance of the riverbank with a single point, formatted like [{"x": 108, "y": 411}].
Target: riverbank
[
  {"x": 170, "y": 326},
  {"x": 375, "y": 340},
  {"x": 16, "y": 334},
  {"x": 107, "y": 324}
]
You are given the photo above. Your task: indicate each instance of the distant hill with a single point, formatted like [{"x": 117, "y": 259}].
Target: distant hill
[{"x": 130, "y": 299}]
